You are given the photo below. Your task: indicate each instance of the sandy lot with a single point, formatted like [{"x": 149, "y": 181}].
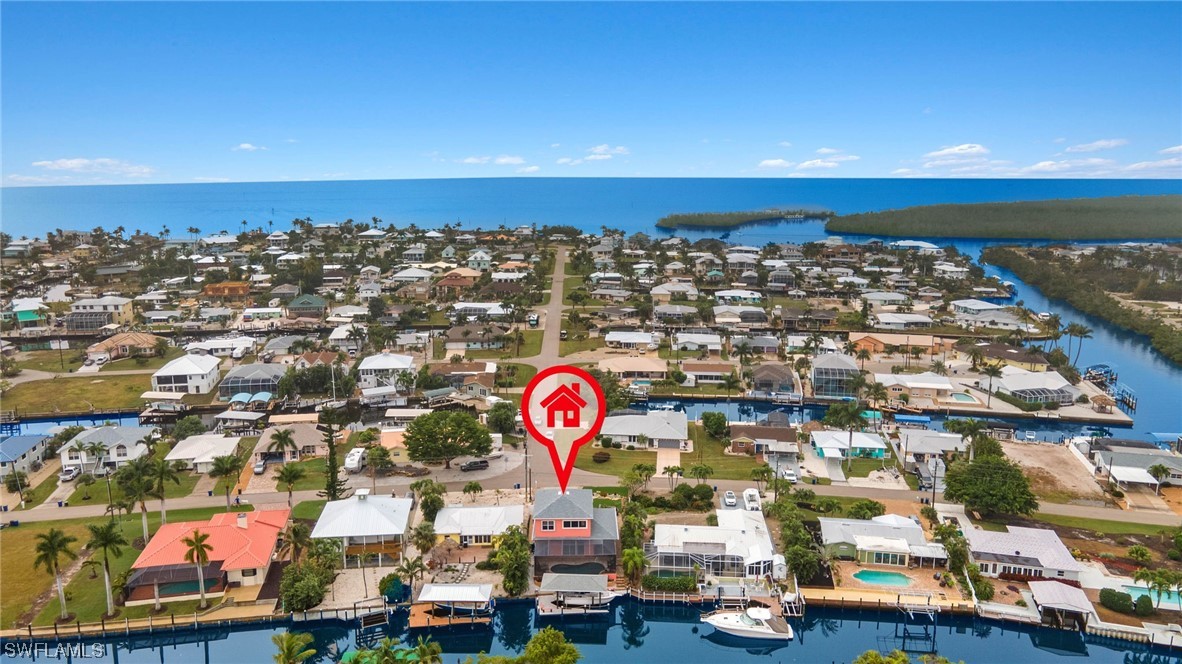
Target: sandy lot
[{"x": 1055, "y": 475}]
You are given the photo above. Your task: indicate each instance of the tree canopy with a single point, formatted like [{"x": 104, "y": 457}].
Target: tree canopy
[
  {"x": 990, "y": 484},
  {"x": 445, "y": 435}
]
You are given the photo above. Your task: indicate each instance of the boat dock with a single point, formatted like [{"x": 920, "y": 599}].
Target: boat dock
[
  {"x": 547, "y": 608},
  {"x": 424, "y": 615}
]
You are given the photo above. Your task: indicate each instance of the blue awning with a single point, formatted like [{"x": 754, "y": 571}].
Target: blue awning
[
  {"x": 261, "y": 396},
  {"x": 912, "y": 418},
  {"x": 241, "y": 397}
]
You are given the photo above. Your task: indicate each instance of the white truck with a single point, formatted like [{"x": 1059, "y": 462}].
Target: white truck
[{"x": 355, "y": 460}]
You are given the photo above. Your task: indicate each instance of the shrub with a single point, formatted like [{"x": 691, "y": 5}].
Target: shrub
[
  {"x": 601, "y": 457},
  {"x": 669, "y": 584},
  {"x": 712, "y": 520},
  {"x": 1117, "y": 493},
  {"x": 930, "y": 514},
  {"x": 390, "y": 586},
  {"x": 631, "y": 448},
  {"x": 302, "y": 587},
  {"x": 15, "y": 481},
  {"x": 983, "y": 587},
  {"x": 1144, "y": 606},
  {"x": 703, "y": 492},
  {"x": 487, "y": 565},
  {"x": 1117, "y": 601},
  {"x": 1174, "y": 554},
  {"x": 1020, "y": 602}
]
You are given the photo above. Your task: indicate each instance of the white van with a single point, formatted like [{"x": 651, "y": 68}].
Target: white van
[
  {"x": 751, "y": 501},
  {"x": 355, "y": 460}
]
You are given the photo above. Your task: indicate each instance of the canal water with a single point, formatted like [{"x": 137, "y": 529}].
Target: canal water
[{"x": 647, "y": 633}]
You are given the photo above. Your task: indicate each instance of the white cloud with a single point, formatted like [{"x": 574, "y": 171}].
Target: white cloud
[
  {"x": 210, "y": 179},
  {"x": 567, "y": 161},
  {"x": 784, "y": 144},
  {"x": 1096, "y": 146},
  {"x": 38, "y": 179},
  {"x": 556, "y": 145},
  {"x": 1173, "y": 163},
  {"x": 910, "y": 173},
  {"x": 845, "y": 157},
  {"x": 927, "y": 110},
  {"x": 509, "y": 160},
  {"x": 817, "y": 163},
  {"x": 1177, "y": 149},
  {"x": 1069, "y": 165},
  {"x": 1059, "y": 140},
  {"x": 958, "y": 151},
  {"x": 828, "y": 151},
  {"x": 598, "y": 157},
  {"x": 608, "y": 150},
  {"x": 101, "y": 166},
  {"x": 529, "y": 169},
  {"x": 247, "y": 147},
  {"x": 290, "y": 140},
  {"x": 475, "y": 160},
  {"x": 776, "y": 163}
]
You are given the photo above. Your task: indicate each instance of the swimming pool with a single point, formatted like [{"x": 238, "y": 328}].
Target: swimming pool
[
  {"x": 964, "y": 398},
  {"x": 877, "y": 578},
  {"x": 1169, "y": 600}
]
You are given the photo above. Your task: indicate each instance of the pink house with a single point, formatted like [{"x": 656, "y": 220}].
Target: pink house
[{"x": 567, "y": 530}]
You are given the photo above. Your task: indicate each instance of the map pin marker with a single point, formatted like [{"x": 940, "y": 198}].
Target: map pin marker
[{"x": 563, "y": 408}]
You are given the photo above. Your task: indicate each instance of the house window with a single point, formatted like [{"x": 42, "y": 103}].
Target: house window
[
  {"x": 1059, "y": 573},
  {"x": 249, "y": 572},
  {"x": 120, "y": 450},
  {"x": 547, "y": 526},
  {"x": 482, "y": 539},
  {"x": 574, "y": 524},
  {"x": 74, "y": 455}
]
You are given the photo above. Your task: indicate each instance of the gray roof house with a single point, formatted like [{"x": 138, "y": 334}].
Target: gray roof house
[
  {"x": 889, "y": 539},
  {"x": 568, "y": 529},
  {"x": 122, "y": 445},
  {"x": 667, "y": 429},
  {"x": 1021, "y": 552},
  {"x": 19, "y": 452}
]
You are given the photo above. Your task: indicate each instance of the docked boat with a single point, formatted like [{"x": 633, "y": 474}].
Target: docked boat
[
  {"x": 577, "y": 592},
  {"x": 752, "y": 623},
  {"x": 458, "y": 599}
]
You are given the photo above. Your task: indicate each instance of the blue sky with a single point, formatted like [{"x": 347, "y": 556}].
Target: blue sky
[{"x": 185, "y": 92}]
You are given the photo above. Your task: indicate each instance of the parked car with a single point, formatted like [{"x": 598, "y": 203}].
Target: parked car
[
  {"x": 789, "y": 474},
  {"x": 729, "y": 499},
  {"x": 88, "y": 362},
  {"x": 475, "y": 464},
  {"x": 101, "y": 360},
  {"x": 69, "y": 474},
  {"x": 260, "y": 467}
]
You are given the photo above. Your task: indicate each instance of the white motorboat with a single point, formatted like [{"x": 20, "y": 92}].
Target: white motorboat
[
  {"x": 591, "y": 600},
  {"x": 753, "y": 623}
]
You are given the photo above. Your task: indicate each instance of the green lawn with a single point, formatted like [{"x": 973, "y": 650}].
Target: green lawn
[
  {"x": 573, "y": 345},
  {"x": 308, "y": 509},
  {"x": 863, "y": 467},
  {"x": 22, "y": 584},
  {"x": 1100, "y": 526},
  {"x": 98, "y": 491},
  {"x": 314, "y": 471},
  {"x": 78, "y": 393},
  {"x": 706, "y": 450},
  {"x": 51, "y": 360},
  {"x": 40, "y": 492},
  {"x": 531, "y": 345},
  {"x": 153, "y": 363},
  {"x": 521, "y": 373},
  {"x": 438, "y": 348}
]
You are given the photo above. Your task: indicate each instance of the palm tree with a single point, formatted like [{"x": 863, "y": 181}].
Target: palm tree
[
  {"x": 410, "y": 569},
  {"x": 427, "y": 651},
  {"x": 876, "y": 393},
  {"x": 163, "y": 472},
  {"x": 134, "y": 479},
  {"x": 423, "y": 537},
  {"x": 289, "y": 476},
  {"x": 730, "y": 384},
  {"x": 197, "y": 552},
  {"x": 297, "y": 537},
  {"x": 51, "y": 548},
  {"x": 633, "y": 562},
  {"x": 107, "y": 538},
  {"x": 862, "y": 356},
  {"x": 227, "y": 468},
  {"x": 292, "y": 648},
  {"x": 991, "y": 371},
  {"x": 673, "y": 472},
  {"x": 970, "y": 429},
  {"x": 94, "y": 451},
  {"x": 282, "y": 441},
  {"x": 1159, "y": 472},
  {"x": 700, "y": 471},
  {"x": 744, "y": 351},
  {"x": 762, "y": 474},
  {"x": 846, "y": 416},
  {"x": 1077, "y": 331}
]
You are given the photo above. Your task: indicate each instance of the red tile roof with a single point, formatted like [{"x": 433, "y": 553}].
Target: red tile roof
[{"x": 234, "y": 546}]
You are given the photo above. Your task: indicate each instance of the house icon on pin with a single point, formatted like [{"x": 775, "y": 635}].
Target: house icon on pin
[{"x": 564, "y": 401}]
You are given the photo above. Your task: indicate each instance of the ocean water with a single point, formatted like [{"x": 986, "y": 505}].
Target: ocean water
[{"x": 632, "y": 204}]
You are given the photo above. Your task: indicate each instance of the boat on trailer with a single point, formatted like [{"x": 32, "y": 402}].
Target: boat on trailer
[{"x": 752, "y": 623}]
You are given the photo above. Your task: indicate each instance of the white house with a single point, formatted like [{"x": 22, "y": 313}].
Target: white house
[
  {"x": 365, "y": 523},
  {"x": 950, "y": 271},
  {"x": 121, "y": 444},
  {"x": 739, "y": 546},
  {"x": 191, "y": 374},
  {"x": 738, "y": 296},
  {"x": 894, "y": 321},
  {"x": 473, "y": 310},
  {"x": 223, "y": 347},
  {"x": 477, "y": 525},
  {"x": 1036, "y": 386},
  {"x": 1021, "y": 552},
  {"x": 973, "y": 307},
  {"x": 632, "y": 340},
  {"x": 666, "y": 429},
  {"x": 199, "y": 451},
  {"x": 382, "y": 369},
  {"x": 694, "y": 341}
]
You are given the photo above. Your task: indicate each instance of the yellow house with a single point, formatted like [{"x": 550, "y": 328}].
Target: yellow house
[
  {"x": 394, "y": 440},
  {"x": 477, "y": 525},
  {"x": 1014, "y": 356}
]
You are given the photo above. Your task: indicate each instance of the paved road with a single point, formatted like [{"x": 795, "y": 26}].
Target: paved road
[{"x": 549, "y": 355}]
